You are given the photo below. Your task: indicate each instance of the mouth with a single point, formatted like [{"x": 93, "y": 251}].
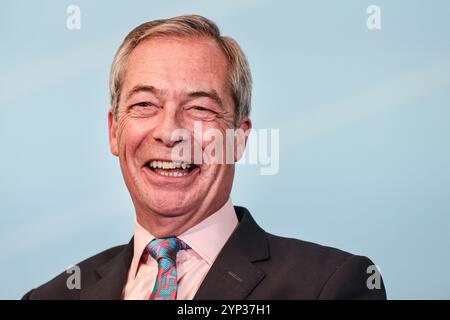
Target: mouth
[{"x": 171, "y": 169}]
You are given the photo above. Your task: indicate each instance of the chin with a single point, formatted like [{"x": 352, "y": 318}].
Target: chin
[{"x": 171, "y": 205}]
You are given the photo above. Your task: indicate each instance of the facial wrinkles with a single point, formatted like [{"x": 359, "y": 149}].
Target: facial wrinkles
[{"x": 124, "y": 147}]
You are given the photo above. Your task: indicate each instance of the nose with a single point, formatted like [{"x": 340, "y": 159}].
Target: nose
[{"x": 166, "y": 126}]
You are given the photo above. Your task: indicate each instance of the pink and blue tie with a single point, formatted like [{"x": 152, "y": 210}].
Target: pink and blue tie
[{"x": 164, "y": 251}]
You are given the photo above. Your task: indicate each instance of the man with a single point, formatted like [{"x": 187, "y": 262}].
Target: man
[{"x": 189, "y": 241}]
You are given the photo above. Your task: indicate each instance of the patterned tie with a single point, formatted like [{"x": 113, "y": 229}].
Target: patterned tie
[{"x": 164, "y": 251}]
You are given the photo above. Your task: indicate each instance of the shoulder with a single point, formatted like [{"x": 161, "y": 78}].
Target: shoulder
[
  {"x": 296, "y": 249},
  {"x": 327, "y": 272},
  {"x": 57, "y": 287}
]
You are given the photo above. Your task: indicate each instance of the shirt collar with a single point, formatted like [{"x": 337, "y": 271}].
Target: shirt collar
[{"x": 206, "y": 238}]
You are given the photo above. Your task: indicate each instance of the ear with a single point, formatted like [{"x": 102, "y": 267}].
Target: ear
[
  {"x": 241, "y": 141},
  {"x": 112, "y": 126}
]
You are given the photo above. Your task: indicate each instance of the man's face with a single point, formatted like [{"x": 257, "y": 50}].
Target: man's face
[{"x": 173, "y": 83}]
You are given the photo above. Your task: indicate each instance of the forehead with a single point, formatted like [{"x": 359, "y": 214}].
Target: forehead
[{"x": 177, "y": 65}]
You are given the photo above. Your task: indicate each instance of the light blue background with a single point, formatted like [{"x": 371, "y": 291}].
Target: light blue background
[{"x": 363, "y": 118}]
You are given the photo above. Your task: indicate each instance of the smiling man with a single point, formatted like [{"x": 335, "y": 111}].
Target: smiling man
[{"x": 172, "y": 81}]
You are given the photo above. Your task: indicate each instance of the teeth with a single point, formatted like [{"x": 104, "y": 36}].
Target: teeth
[
  {"x": 169, "y": 165},
  {"x": 172, "y": 174}
]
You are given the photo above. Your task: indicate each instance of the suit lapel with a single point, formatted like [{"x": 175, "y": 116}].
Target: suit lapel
[
  {"x": 233, "y": 275},
  {"x": 113, "y": 276}
]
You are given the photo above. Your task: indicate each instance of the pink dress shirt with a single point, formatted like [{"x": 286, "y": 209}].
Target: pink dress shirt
[{"x": 206, "y": 239}]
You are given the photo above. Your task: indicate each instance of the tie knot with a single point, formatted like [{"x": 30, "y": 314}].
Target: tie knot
[{"x": 165, "y": 248}]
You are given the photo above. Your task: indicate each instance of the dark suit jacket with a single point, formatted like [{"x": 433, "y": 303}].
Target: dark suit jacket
[{"x": 253, "y": 264}]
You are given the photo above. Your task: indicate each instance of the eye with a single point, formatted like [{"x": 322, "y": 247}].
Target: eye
[
  {"x": 143, "y": 109},
  {"x": 143, "y": 104},
  {"x": 203, "y": 109},
  {"x": 201, "y": 113}
]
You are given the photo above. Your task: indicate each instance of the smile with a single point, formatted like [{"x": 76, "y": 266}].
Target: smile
[{"x": 171, "y": 169}]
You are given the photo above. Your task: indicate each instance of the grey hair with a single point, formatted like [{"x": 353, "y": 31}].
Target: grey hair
[{"x": 239, "y": 77}]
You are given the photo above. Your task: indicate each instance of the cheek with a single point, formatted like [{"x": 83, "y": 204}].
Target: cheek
[
  {"x": 132, "y": 134},
  {"x": 213, "y": 145}
]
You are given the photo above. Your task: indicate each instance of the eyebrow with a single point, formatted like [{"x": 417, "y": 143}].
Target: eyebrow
[
  {"x": 207, "y": 94},
  {"x": 142, "y": 88}
]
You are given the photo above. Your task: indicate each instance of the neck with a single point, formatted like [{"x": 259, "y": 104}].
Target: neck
[{"x": 163, "y": 225}]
